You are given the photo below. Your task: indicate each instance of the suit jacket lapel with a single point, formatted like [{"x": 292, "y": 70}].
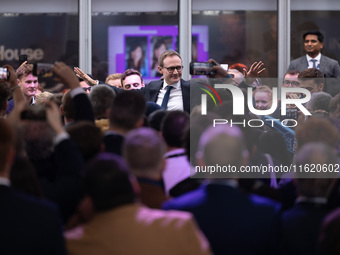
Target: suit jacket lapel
[
  {"x": 185, "y": 86},
  {"x": 154, "y": 90}
]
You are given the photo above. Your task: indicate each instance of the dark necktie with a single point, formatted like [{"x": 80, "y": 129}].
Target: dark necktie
[
  {"x": 314, "y": 63},
  {"x": 166, "y": 97}
]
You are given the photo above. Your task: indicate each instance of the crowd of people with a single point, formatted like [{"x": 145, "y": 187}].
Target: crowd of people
[{"x": 123, "y": 167}]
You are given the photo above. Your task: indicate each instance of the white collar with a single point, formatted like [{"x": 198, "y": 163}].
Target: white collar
[
  {"x": 4, "y": 181},
  {"x": 176, "y": 85},
  {"x": 318, "y": 57}
]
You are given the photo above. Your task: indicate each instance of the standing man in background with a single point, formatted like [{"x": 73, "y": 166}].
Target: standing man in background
[{"x": 313, "y": 44}]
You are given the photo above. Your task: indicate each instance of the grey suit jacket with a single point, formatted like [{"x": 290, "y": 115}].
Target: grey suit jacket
[{"x": 329, "y": 67}]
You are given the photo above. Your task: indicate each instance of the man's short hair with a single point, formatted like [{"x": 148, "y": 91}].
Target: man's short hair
[
  {"x": 319, "y": 101},
  {"x": 129, "y": 72},
  {"x": 314, "y": 32},
  {"x": 333, "y": 104},
  {"x": 87, "y": 136},
  {"x": 5, "y": 93},
  {"x": 167, "y": 53},
  {"x": 144, "y": 150},
  {"x": 68, "y": 105},
  {"x": 107, "y": 182},
  {"x": 101, "y": 98},
  {"x": 316, "y": 129},
  {"x": 317, "y": 154},
  {"x": 173, "y": 128},
  {"x": 127, "y": 109},
  {"x": 114, "y": 76},
  {"x": 24, "y": 70},
  {"x": 312, "y": 74},
  {"x": 292, "y": 72}
]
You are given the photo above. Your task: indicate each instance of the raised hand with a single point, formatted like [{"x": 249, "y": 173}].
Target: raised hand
[
  {"x": 84, "y": 76},
  {"x": 65, "y": 74}
]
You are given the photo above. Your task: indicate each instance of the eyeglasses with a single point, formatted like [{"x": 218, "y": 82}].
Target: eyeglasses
[
  {"x": 171, "y": 69},
  {"x": 292, "y": 83},
  {"x": 88, "y": 89}
]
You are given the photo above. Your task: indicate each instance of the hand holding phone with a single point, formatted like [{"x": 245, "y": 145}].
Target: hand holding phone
[
  {"x": 4, "y": 74},
  {"x": 201, "y": 68}
]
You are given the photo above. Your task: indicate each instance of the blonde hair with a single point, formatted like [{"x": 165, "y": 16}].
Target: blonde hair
[
  {"x": 266, "y": 89},
  {"x": 114, "y": 76}
]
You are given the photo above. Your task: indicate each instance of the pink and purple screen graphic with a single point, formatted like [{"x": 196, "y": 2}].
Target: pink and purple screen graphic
[{"x": 138, "y": 47}]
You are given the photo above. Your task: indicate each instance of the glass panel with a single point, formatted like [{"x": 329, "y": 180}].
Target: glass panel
[
  {"x": 117, "y": 36},
  {"x": 44, "y": 37},
  {"x": 239, "y": 36}
]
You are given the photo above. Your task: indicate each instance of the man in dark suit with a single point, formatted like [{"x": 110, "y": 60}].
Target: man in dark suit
[
  {"x": 28, "y": 225},
  {"x": 313, "y": 44},
  {"x": 233, "y": 222},
  {"x": 301, "y": 224},
  {"x": 170, "y": 66}
]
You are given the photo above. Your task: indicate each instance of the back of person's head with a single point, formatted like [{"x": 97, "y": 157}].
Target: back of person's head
[
  {"x": 101, "y": 98},
  {"x": 24, "y": 71},
  {"x": 314, "y": 32},
  {"x": 127, "y": 110},
  {"x": 334, "y": 106},
  {"x": 316, "y": 129},
  {"x": 312, "y": 74},
  {"x": 319, "y": 101},
  {"x": 143, "y": 150},
  {"x": 167, "y": 53},
  {"x": 328, "y": 243},
  {"x": 315, "y": 183},
  {"x": 107, "y": 182},
  {"x": 38, "y": 139},
  {"x": 155, "y": 119},
  {"x": 5, "y": 93},
  {"x": 68, "y": 105},
  {"x": 6, "y": 143},
  {"x": 87, "y": 136},
  {"x": 173, "y": 128},
  {"x": 44, "y": 96},
  {"x": 222, "y": 145},
  {"x": 198, "y": 124},
  {"x": 24, "y": 177}
]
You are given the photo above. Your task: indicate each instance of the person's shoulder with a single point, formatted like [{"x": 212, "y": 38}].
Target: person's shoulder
[
  {"x": 35, "y": 202},
  {"x": 185, "y": 82},
  {"x": 171, "y": 217},
  {"x": 154, "y": 83},
  {"x": 299, "y": 59},
  {"x": 329, "y": 60},
  {"x": 188, "y": 200},
  {"x": 264, "y": 202},
  {"x": 35, "y": 208}
]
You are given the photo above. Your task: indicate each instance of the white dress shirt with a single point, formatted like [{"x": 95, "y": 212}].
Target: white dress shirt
[
  {"x": 317, "y": 63},
  {"x": 175, "y": 100}
]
